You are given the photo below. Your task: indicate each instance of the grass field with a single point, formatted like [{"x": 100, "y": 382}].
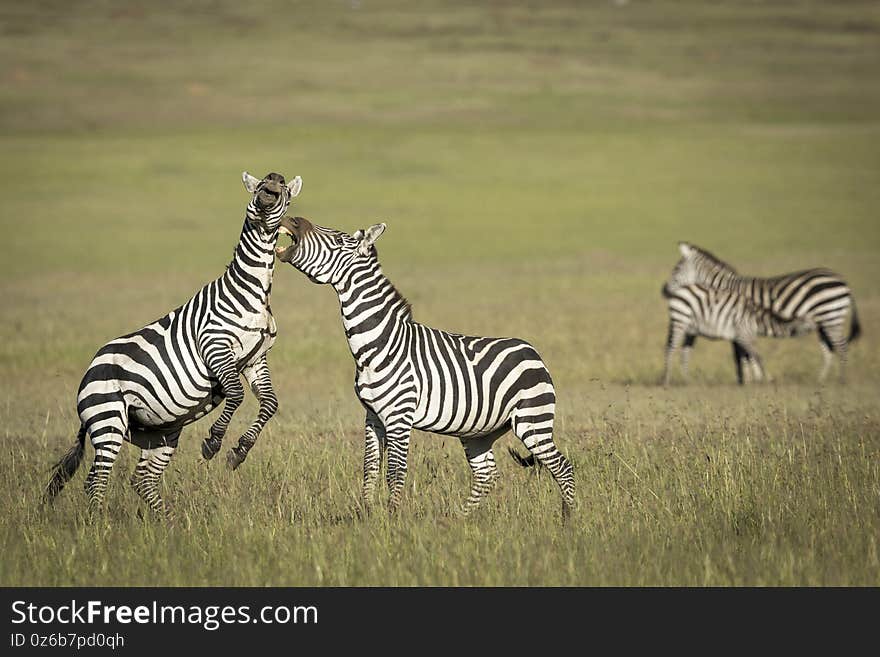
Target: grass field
[{"x": 536, "y": 165}]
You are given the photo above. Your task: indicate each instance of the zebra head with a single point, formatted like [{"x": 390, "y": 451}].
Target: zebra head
[
  {"x": 326, "y": 255},
  {"x": 698, "y": 267},
  {"x": 271, "y": 199}
]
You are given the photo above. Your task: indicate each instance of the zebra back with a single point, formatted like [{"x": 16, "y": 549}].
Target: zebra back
[
  {"x": 819, "y": 294},
  {"x": 726, "y": 314}
]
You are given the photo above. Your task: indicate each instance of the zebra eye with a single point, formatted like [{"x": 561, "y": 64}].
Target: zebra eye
[{"x": 337, "y": 240}]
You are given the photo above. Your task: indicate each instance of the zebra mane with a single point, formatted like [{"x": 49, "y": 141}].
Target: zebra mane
[
  {"x": 407, "y": 306},
  {"x": 394, "y": 292},
  {"x": 712, "y": 258}
]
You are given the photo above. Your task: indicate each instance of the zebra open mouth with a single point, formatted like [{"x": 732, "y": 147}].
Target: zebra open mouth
[
  {"x": 286, "y": 253},
  {"x": 267, "y": 198}
]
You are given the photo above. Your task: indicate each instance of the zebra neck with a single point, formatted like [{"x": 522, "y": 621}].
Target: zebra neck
[
  {"x": 253, "y": 264},
  {"x": 747, "y": 286},
  {"x": 725, "y": 279},
  {"x": 373, "y": 311}
]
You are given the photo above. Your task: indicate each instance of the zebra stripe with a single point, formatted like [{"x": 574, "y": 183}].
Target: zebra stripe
[
  {"x": 819, "y": 295},
  {"x": 144, "y": 387},
  {"x": 412, "y": 376},
  {"x": 696, "y": 310}
]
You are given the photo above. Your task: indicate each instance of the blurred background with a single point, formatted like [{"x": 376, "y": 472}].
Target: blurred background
[{"x": 536, "y": 164}]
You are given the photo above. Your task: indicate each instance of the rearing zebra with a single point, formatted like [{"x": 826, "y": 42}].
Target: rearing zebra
[
  {"x": 411, "y": 376},
  {"x": 144, "y": 387},
  {"x": 819, "y": 295},
  {"x": 696, "y": 310}
]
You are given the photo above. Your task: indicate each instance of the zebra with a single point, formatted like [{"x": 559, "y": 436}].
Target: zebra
[
  {"x": 819, "y": 295},
  {"x": 144, "y": 387},
  {"x": 409, "y": 375},
  {"x": 722, "y": 315}
]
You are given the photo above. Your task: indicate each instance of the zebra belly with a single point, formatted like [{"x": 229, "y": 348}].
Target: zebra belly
[
  {"x": 474, "y": 432},
  {"x": 142, "y": 418},
  {"x": 153, "y": 438},
  {"x": 252, "y": 345},
  {"x": 712, "y": 332}
]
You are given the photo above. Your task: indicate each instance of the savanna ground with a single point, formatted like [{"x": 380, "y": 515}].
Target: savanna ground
[{"x": 536, "y": 165}]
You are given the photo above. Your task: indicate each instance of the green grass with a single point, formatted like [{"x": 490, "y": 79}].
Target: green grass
[{"x": 536, "y": 168}]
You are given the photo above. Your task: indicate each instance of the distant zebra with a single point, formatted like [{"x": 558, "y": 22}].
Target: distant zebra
[
  {"x": 695, "y": 310},
  {"x": 411, "y": 376},
  {"x": 144, "y": 387},
  {"x": 819, "y": 295}
]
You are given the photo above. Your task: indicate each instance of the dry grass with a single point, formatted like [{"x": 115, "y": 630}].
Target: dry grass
[{"x": 535, "y": 169}]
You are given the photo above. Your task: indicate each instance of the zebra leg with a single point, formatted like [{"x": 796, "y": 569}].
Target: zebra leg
[
  {"x": 837, "y": 344},
  {"x": 374, "y": 444},
  {"x": 758, "y": 369},
  {"x": 827, "y": 357},
  {"x": 257, "y": 376},
  {"x": 686, "y": 354},
  {"x": 485, "y": 474},
  {"x": 148, "y": 472},
  {"x": 737, "y": 361},
  {"x": 398, "y": 452},
  {"x": 755, "y": 360},
  {"x": 841, "y": 352},
  {"x": 742, "y": 361},
  {"x": 221, "y": 362},
  {"x": 674, "y": 340},
  {"x": 536, "y": 433},
  {"x": 106, "y": 425}
]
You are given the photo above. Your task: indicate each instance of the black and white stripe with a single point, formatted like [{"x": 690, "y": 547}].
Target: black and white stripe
[
  {"x": 819, "y": 295},
  {"x": 696, "y": 310},
  {"x": 412, "y": 376},
  {"x": 144, "y": 387}
]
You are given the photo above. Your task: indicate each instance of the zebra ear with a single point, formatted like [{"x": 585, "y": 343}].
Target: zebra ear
[
  {"x": 250, "y": 183},
  {"x": 358, "y": 234},
  {"x": 372, "y": 233},
  {"x": 685, "y": 249},
  {"x": 295, "y": 186}
]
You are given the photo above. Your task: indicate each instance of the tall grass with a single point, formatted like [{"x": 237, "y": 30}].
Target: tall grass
[{"x": 535, "y": 166}]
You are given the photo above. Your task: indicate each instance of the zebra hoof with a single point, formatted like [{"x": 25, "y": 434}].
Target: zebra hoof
[
  {"x": 210, "y": 447},
  {"x": 234, "y": 459}
]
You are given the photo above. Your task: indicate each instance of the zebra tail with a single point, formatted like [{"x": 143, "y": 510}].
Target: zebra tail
[
  {"x": 66, "y": 466},
  {"x": 525, "y": 461},
  {"x": 855, "y": 329}
]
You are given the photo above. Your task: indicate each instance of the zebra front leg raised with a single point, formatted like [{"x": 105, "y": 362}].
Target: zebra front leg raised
[
  {"x": 257, "y": 376},
  {"x": 221, "y": 361},
  {"x": 374, "y": 445},
  {"x": 149, "y": 470}
]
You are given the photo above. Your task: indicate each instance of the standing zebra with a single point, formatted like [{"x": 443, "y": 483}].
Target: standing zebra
[
  {"x": 144, "y": 387},
  {"x": 819, "y": 295},
  {"x": 722, "y": 315},
  {"x": 411, "y": 376}
]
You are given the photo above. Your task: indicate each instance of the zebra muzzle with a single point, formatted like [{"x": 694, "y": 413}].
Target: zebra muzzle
[
  {"x": 288, "y": 227},
  {"x": 267, "y": 198}
]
